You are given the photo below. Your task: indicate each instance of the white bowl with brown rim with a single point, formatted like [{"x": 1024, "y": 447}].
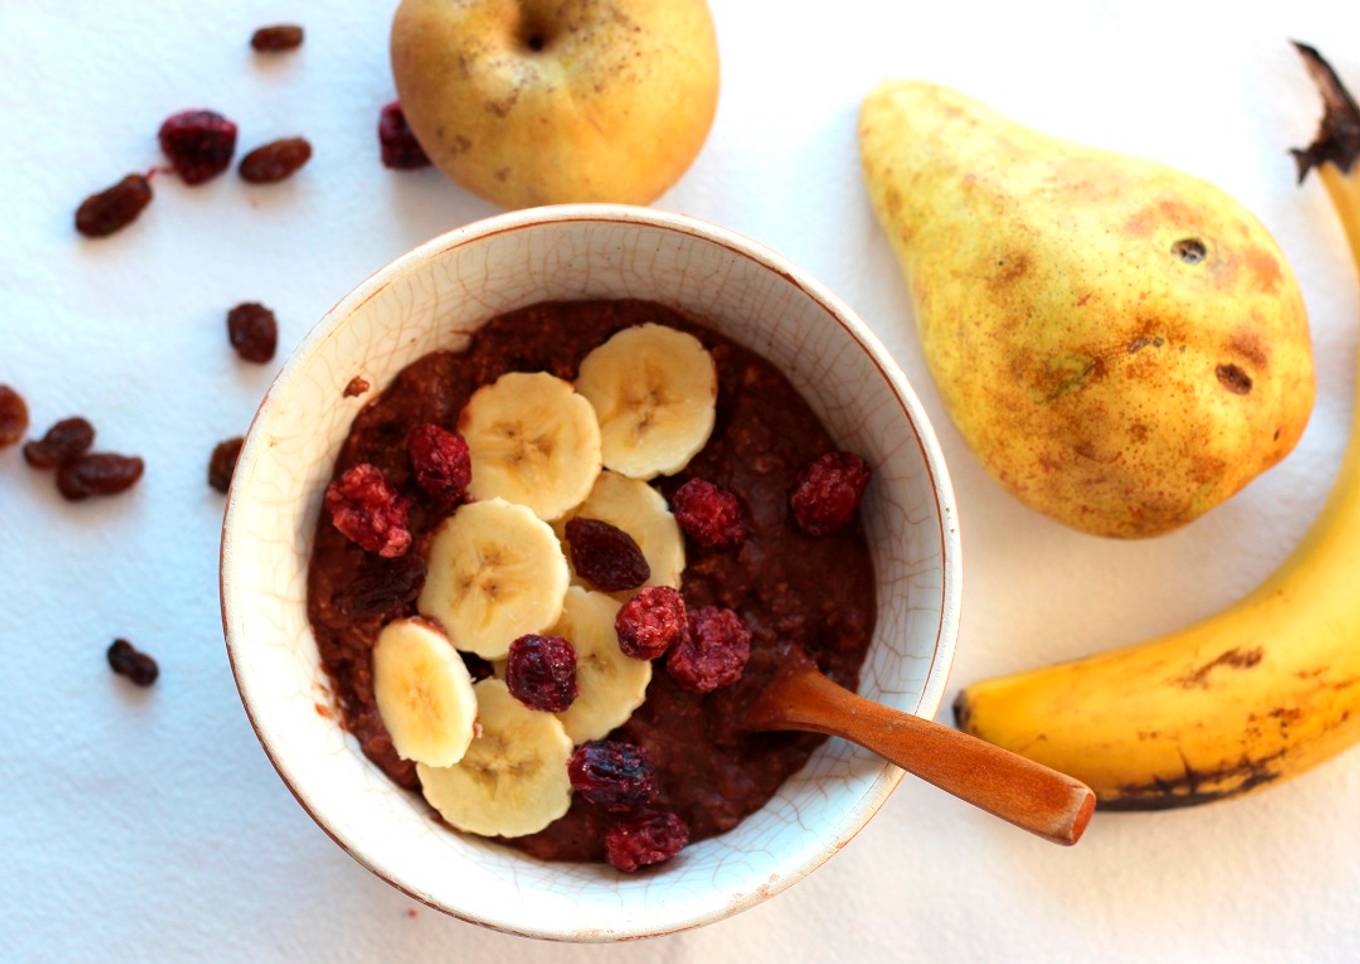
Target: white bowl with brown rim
[{"x": 431, "y": 299}]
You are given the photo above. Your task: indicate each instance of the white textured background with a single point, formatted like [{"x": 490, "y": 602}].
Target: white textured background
[{"x": 150, "y": 826}]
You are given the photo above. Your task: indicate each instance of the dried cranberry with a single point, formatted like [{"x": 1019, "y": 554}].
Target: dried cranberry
[
  {"x": 114, "y": 208},
  {"x": 647, "y": 840},
  {"x": 223, "y": 463},
  {"x": 827, "y": 493},
  {"x": 605, "y": 555},
  {"x": 280, "y": 37},
  {"x": 199, "y": 144},
  {"x": 13, "y": 416},
  {"x": 709, "y": 515},
  {"x": 713, "y": 654},
  {"x": 364, "y": 506},
  {"x": 254, "y": 332},
  {"x": 64, "y": 441},
  {"x": 400, "y": 149},
  {"x": 275, "y": 161},
  {"x": 442, "y": 465},
  {"x": 98, "y": 473},
  {"x": 126, "y": 660},
  {"x": 617, "y": 777},
  {"x": 650, "y": 622},
  {"x": 540, "y": 672}
]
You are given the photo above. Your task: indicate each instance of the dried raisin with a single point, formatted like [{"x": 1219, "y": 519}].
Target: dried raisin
[
  {"x": 714, "y": 652},
  {"x": 199, "y": 144},
  {"x": 275, "y": 161},
  {"x": 709, "y": 515},
  {"x": 383, "y": 587},
  {"x": 114, "y": 208},
  {"x": 98, "y": 473},
  {"x": 126, "y": 660},
  {"x": 400, "y": 149},
  {"x": 356, "y": 387},
  {"x": 63, "y": 442},
  {"x": 606, "y": 556},
  {"x": 13, "y": 416},
  {"x": 277, "y": 38},
  {"x": 615, "y": 776},
  {"x": 651, "y": 622},
  {"x": 647, "y": 840},
  {"x": 827, "y": 493},
  {"x": 254, "y": 332},
  {"x": 223, "y": 463},
  {"x": 540, "y": 672},
  {"x": 364, "y": 506},
  {"x": 442, "y": 463}
]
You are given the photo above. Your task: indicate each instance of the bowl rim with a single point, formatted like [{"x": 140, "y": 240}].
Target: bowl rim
[{"x": 937, "y": 674}]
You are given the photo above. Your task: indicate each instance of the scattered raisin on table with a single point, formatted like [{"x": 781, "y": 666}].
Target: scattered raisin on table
[
  {"x": 223, "y": 463},
  {"x": 400, "y": 149},
  {"x": 98, "y": 473},
  {"x": 126, "y": 660},
  {"x": 827, "y": 493},
  {"x": 615, "y": 776},
  {"x": 199, "y": 144},
  {"x": 275, "y": 161},
  {"x": 277, "y": 38},
  {"x": 365, "y": 507},
  {"x": 64, "y": 441},
  {"x": 540, "y": 672},
  {"x": 13, "y": 416},
  {"x": 709, "y": 515},
  {"x": 714, "y": 652},
  {"x": 254, "y": 332},
  {"x": 442, "y": 463},
  {"x": 651, "y": 622},
  {"x": 114, "y": 208},
  {"x": 647, "y": 840},
  {"x": 606, "y": 556}
]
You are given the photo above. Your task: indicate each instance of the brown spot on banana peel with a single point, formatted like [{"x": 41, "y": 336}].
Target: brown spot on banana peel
[
  {"x": 1236, "y": 658},
  {"x": 1338, "y": 138},
  {"x": 1184, "y": 789}
]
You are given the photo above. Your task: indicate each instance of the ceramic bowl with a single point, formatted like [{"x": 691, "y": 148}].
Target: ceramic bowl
[{"x": 432, "y": 298}]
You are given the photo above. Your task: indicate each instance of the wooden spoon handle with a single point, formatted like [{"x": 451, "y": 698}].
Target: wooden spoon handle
[{"x": 1028, "y": 794}]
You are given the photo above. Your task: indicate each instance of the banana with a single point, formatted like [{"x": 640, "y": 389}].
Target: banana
[
  {"x": 641, "y": 511},
  {"x": 654, "y": 390},
  {"x": 424, "y": 692},
  {"x": 495, "y": 572},
  {"x": 612, "y": 685},
  {"x": 1253, "y": 695},
  {"x": 513, "y": 779},
  {"x": 533, "y": 441}
]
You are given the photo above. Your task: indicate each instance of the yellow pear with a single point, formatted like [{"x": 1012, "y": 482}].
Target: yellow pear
[{"x": 1123, "y": 345}]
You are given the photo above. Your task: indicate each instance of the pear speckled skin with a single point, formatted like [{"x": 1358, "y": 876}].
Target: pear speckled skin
[{"x": 1122, "y": 344}]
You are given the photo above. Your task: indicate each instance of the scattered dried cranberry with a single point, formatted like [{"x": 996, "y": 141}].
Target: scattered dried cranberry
[
  {"x": 275, "y": 161},
  {"x": 827, "y": 493},
  {"x": 114, "y": 208},
  {"x": 13, "y": 416},
  {"x": 199, "y": 144},
  {"x": 223, "y": 463},
  {"x": 280, "y": 37},
  {"x": 126, "y": 660},
  {"x": 650, "y": 622},
  {"x": 400, "y": 149},
  {"x": 647, "y": 840},
  {"x": 617, "y": 777},
  {"x": 364, "y": 506},
  {"x": 63, "y": 442},
  {"x": 98, "y": 473},
  {"x": 254, "y": 332},
  {"x": 540, "y": 672},
  {"x": 709, "y": 515},
  {"x": 605, "y": 555},
  {"x": 443, "y": 467},
  {"x": 713, "y": 654}
]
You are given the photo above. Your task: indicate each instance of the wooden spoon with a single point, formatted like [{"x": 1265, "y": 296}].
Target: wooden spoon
[{"x": 1028, "y": 794}]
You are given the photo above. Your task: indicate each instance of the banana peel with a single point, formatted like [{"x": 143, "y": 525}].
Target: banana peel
[{"x": 1258, "y": 693}]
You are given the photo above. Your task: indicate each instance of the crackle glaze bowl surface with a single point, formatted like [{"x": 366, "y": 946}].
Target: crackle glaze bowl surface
[{"x": 431, "y": 299}]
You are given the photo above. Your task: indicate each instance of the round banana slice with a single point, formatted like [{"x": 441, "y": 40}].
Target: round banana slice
[
  {"x": 654, "y": 390},
  {"x": 496, "y": 571},
  {"x": 513, "y": 779},
  {"x": 424, "y": 693},
  {"x": 533, "y": 441},
  {"x": 612, "y": 685},
  {"x": 641, "y": 511}
]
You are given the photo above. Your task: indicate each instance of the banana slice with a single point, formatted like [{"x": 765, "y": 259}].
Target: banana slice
[
  {"x": 533, "y": 441},
  {"x": 612, "y": 685},
  {"x": 424, "y": 693},
  {"x": 496, "y": 571},
  {"x": 513, "y": 779},
  {"x": 641, "y": 511},
  {"x": 654, "y": 390}
]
